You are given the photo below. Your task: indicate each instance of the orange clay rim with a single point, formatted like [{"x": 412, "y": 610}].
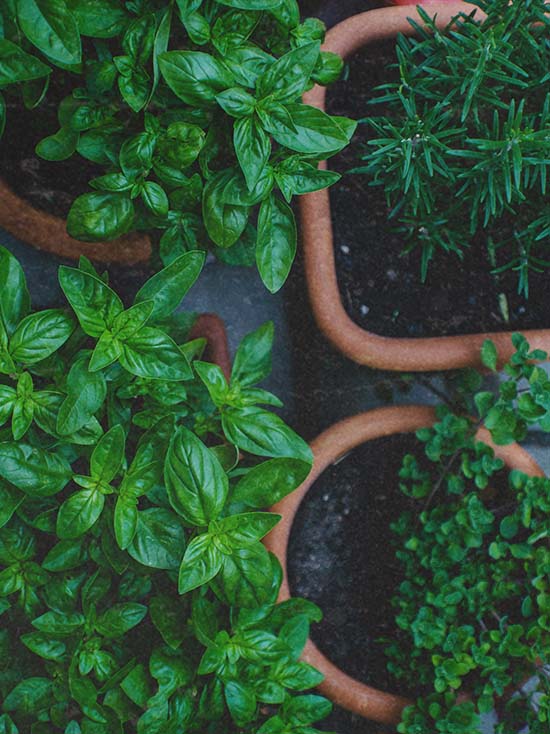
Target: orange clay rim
[
  {"x": 49, "y": 233},
  {"x": 328, "y": 447},
  {"x": 364, "y": 347}
]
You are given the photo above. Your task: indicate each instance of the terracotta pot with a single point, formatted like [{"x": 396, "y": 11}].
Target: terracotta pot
[
  {"x": 331, "y": 445},
  {"x": 210, "y": 327},
  {"x": 364, "y": 347},
  {"x": 47, "y": 232}
]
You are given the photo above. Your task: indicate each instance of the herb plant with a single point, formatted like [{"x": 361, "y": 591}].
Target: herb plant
[
  {"x": 462, "y": 149},
  {"x": 193, "y": 109},
  {"x": 135, "y": 594},
  {"x": 473, "y": 608}
]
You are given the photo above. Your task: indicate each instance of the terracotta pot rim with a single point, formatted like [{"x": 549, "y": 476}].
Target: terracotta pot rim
[
  {"x": 360, "y": 345},
  {"x": 328, "y": 448},
  {"x": 48, "y": 233},
  {"x": 212, "y": 328}
]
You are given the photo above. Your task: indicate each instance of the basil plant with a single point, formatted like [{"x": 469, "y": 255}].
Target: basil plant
[
  {"x": 135, "y": 594},
  {"x": 192, "y": 110}
]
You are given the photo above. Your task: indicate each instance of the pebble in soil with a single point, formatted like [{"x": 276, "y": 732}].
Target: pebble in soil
[
  {"x": 380, "y": 287},
  {"x": 341, "y": 557}
]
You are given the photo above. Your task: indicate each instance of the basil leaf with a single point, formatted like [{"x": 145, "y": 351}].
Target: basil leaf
[
  {"x": 79, "y": 513},
  {"x": 251, "y": 4},
  {"x": 152, "y": 353},
  {"x": 17, "y": 66},
  {"x": 267, "y": 483},
  {"x": 30, "y": 696},
  {"x": 252, "y": 361},
  {"x": 14, "y": 296},
  {"x": 108, "y": 455},
  {"x": 224, "y": 222},
  {"x": 265, "y": 434},
  {"x": 246, "y": 577},
  {"x": 276, "y": 245},
  {"x": 99, "y": 18},
  {"x": 10, "y": 500},
  {"x": 95, "y": 304},
  {"x": 253, "y": 149},
  {"x": 51, "y": 27},
  {"x": 307, "y": 130},
  {"x": 201, "y": 562},
  {"x": 167, "y": 288},
  {"x": 36, "y": 471},
  {"x": 100, "y": 216},
  {"x": 86, "y": 393},
  {"x": 39, "y": 335},
  {"x": 197, "y": 485},
  {"x": 288, "y": 77},
  {"x": 195, "y": 77},
  {"x": 159, "y": 540},
  {"x": 120, "y": 618},
  {"x": 43, "y": 645}
]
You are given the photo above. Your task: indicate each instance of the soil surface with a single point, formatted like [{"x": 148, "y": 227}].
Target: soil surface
[
  {"x": 48, "y": 185},
  {"x": 381, "y": 288},
  {"x": 341, "y": 557}
]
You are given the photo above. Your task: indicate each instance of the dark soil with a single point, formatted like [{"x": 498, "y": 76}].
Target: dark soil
[
  {"x": 48, "y": 185},
  {"x": 381, "y": 289},
  {"x": 342, "y": 558}
]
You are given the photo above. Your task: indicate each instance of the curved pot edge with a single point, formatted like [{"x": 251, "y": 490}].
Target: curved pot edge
[
  {"x": 48, "y": 233},
  {"x": 364, "y": 347},
  {"x": 212, "y": 328},
  {"x": 328, "y": 447}
]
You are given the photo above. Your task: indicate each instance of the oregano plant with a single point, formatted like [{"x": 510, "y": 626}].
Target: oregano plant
[
  {"x": 193, "y": 110},
  {"x": 461, "y": 145},
  {"x": 473, "y": 607},
  {"x": 135, "y": 593}
]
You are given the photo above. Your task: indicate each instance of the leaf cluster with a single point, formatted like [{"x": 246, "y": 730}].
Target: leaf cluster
[
  {"x": 191, "y": 107},
  {"x": 473, "y": 607},
  {"x": 135, "y": 594},
  {"x": 462, "y": 149}
]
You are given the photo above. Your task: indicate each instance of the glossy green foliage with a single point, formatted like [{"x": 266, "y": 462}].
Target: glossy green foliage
[
  {"x": 193, "y": 108},
  {"x": 473, "y": 609},
  {"x": 135, "y": 593},
  {"x": 462, "y": 149}
]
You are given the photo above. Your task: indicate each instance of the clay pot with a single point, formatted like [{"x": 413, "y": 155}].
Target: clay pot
[
  {"x": 47, "y": 232},
  {"x": 331, "y": 445},
  {"x": 210, "y": 327},
  {"x": 364, "y": 347}
]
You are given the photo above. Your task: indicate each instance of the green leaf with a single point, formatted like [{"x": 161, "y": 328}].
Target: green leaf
[
  {"x": 195, "y": 77},
  {"x": 36, "y": 471},
  {"x": 79, "y": 513},
  {"x": 99, "y": 18},
  {"x": 159, "y": 540},
  {"x": 215, "y": 381},
  {"x": 65, "y": 555},
  {"x": 306, "y": 130},
  {"x": 17, "y": 66},
  {"x": 41, "y": 644},
  {"x": 251, "y": 4},
  {"x": 253, "y": 149},
  {"x": 246, "y": 577},
  {"x": 201, "y": 562},
  {"x": 241, "y": 702},
  {"x": 197, "y": 485},
  {"x": 60, "y": 624},
  {"x": 10, "y": 500},
  {"x": 86, "y": 393},
  {"x": 108, "y": 455},
  {"x": 489, "y": 355},
  {"x": 288, "y": 77},
  {"x": 30, "y": 696},
  {"x": 155, "y": 198},
  {"x": 100, "y": 216},
  {"x": 168, "y": 287},
  {"x": 152, "y": 353},
  {"x": 252, "y": 361},
  {"x": 39, "y": 335},
  {"x": 267, "y": 483},
  {"x": 260, "y": 432},
  {"x": 224, "y": 222},
  {"x": 276, "y": 246},
  {"x": 59, "y": 146},
  {"x": 95, "y": 304},
  {"x": 120, "y": 618},
  {"x": 51, "y": 27},
  {"x": 246, "y": 528},
  {"x": 14, "y": 296}
]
